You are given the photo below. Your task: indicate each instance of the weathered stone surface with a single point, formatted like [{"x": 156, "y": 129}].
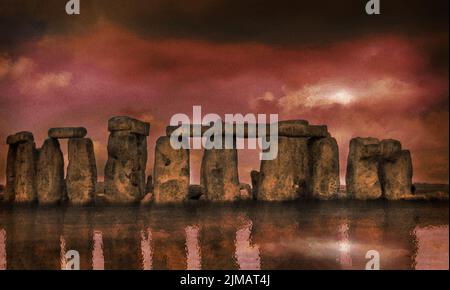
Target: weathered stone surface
[
  {"x": 291, "y": 128},
  {"x": 196, "y": 191},
  {"x": 389, "y": 148},
  {"x": 254, "y": 175},
  {"x": 20, "y": 137},
  {"x": 324, "y": 160},
  {"x": 123, "y": 123},
  {"x": 10, "y": 173},
  {"x": 219, "y": 174},
  {"x": 300, "y": 128},
  {"x": 396, "y": 175},
  {"x": 148, "y": 199},
  {"x": 50, "y": 173},
  {"x": 149, "y": 184},
  {"x": 81, "y": 171},
  {"x": 67, "y": 132},
  {"x": 125, "y": 168},
  {"x": 23, "y": 173},
  {"x": 285, "y": 177},
  {"x": 171, "y": 172},
  {"x": 362, "y": 179},
  {"x": 245, "y": 192}
]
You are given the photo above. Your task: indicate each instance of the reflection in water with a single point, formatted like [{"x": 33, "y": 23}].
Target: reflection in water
[
  {"x": 194, "y": 260},
  {"x": 98, "y": 260},
  {"x": 146, "y": 249},
  {"x": 2, "y": 249},
  {"x": 304, "y": 235},
  {"x": 247, "y": 255},
  {"x": 344, "y": 246},
  {"x": 62, "y": 254},
  {"x": 432, "y": 248}
]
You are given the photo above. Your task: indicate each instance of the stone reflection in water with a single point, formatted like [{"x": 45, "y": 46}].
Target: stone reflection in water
[
  {"x": 193, "y": 255},
  {"x": 221, "y": 236},
  {"x": 2, "y": 249},
  {"x": 345, "y": 258},
  {"x": 247, "y": 255},
  {"x": 146, "y": 249},
  {"x": 98, "y": 259},
  {"x": 62, "y": 254},
  {"x": 432, "y": 248},
  {"x": 77, "y": 234}
]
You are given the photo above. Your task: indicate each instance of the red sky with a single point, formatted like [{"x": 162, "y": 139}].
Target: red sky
[{"x": 383, "y": 85}]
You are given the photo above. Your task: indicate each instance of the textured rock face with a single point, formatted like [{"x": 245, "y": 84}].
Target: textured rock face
[
  {"x": 245, "y": 192},
  {"x": 219, "y": 174},
  {"x": 10, "y": 173},
  {"x": 81, "y": 171},
  {"x": 362, "y": 169},
  {"x": 171, "y": 172},
  {"x": 285, "y": 178},
  {"x": 25, "y": 173},
  {"x": 21, "y": 168},
  {"x": 125, "y": 168},
  {"x": 396, "y": 175},
  {"x": 50, "y": 173},
  {"x": 67, "y": 132},
  {"x": 389, "y": 148},
  {"x": 196, "y": 191},
  {"x": 255, "y": 180},
  {"x": 324, "y": 180},
  {"x": 301, "y": 128},
  {"x": 20, "y": 137},
  {"x": 123, "y": 123},
  {"x": 149, "y": 184}
]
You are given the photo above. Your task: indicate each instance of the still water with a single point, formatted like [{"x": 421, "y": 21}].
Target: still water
[{"x": 304, "y": 235}]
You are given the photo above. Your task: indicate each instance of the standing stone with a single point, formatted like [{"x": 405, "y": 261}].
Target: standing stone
[
  {"x": 21, "y": 168},
  {"x": 219, "y": 174},
  {"x": 10, "y": 173},
  {"x": 25, "y": 173},
  {"x": 255, "y": 180},
  {"x": 362, "y": 179},
  {"x": 50, "y": 173},
  {"x": 149, "y": 184},
  {"x": 396, "y": 174},
  {"x": 81, "y": 171},
  {"x": 171, "y": 172},
  {"x": 285, "y": 177},
  {"x": 324, "y": 157},
  {"x": 127, "y": 160}
]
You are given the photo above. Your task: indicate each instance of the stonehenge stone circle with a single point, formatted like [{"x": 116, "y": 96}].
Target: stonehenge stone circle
[
  {"x": 171, "y": 172},
  {"x": 81, "y": 172},
  {"x": 21, "y": 168},
  {"x": 285, "y": 177},
  {"x": 378, "y": 169},
  {"x": 68, "y": 132},
  {"x": 127, "y": 158},
  {"x": 219, "y": 174},
  {"x": 307, "y": 166},
  {"x": 50, "y": 173},
  {"x": 324, "y": 180}
]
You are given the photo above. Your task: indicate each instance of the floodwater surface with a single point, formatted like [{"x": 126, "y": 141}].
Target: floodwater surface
[{"x": 300, "y": 235}]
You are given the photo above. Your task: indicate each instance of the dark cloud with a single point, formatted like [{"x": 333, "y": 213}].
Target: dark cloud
[{"x": 277, "y": 22}]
